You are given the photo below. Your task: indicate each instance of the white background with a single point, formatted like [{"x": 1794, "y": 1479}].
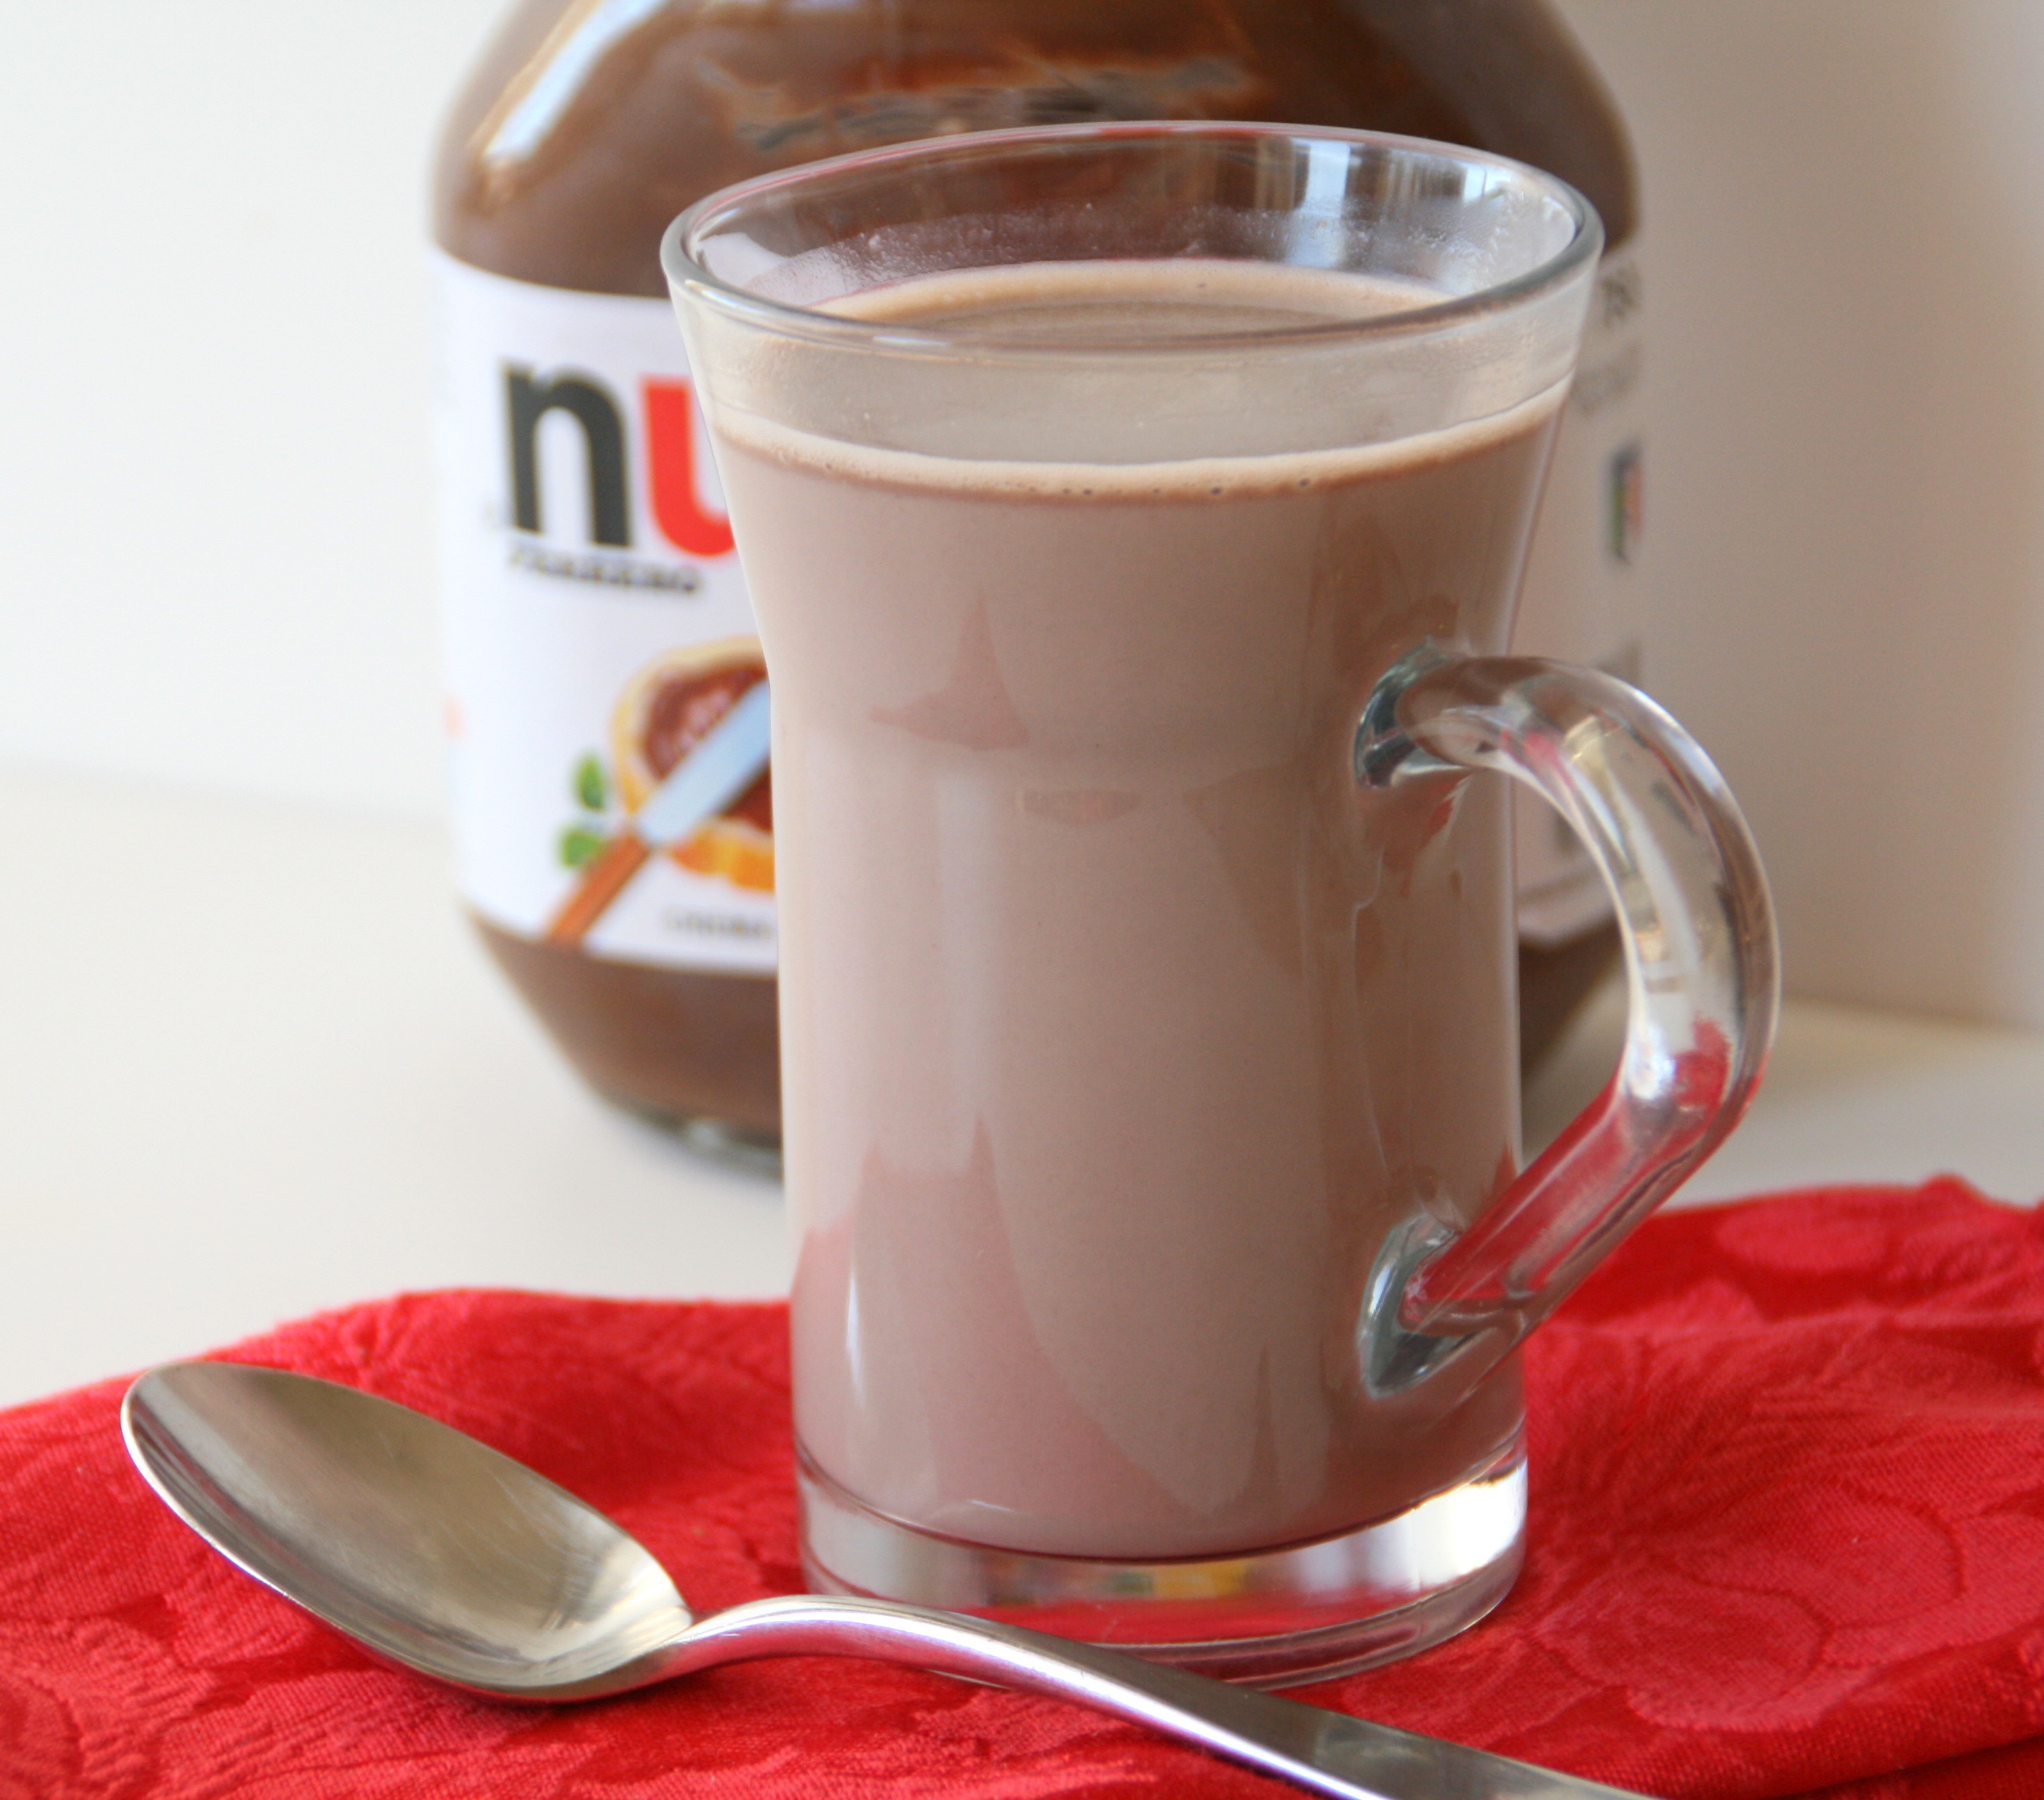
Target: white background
[{"x": 214, "y": 470}]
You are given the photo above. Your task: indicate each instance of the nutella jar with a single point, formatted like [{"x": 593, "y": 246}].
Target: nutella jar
[{"x": 613, "y": 813}]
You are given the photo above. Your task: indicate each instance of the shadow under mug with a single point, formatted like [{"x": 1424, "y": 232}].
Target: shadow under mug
[{"x": 1135, "y": 516}]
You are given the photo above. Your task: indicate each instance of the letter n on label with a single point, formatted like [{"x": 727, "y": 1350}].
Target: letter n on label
[
  {"x": 528, "y": 400},
  {"x": 671, "y": 449}
]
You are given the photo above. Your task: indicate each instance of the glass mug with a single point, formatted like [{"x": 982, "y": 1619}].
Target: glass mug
[{"x": 1134, "y": 516}]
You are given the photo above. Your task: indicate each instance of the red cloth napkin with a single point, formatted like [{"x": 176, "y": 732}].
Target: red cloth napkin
[{"x": 1787, "y": 1534}]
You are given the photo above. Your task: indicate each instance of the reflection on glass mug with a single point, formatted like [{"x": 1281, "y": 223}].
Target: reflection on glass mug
[{"x": 1134, "y": 516}]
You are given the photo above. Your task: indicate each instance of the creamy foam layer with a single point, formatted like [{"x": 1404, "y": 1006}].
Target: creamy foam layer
[
  {"x": 1130, "y": 303},
  {"x": 1077, "y": 306}
]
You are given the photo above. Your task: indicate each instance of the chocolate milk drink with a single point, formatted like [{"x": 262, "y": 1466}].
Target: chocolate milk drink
[
  {"x": 596, "y": 617},
  {"x": 1062, "y": 763},
  {"x": 1135, "y": 514}
]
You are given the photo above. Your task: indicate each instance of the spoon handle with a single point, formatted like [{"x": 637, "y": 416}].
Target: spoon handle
[{"x": 1329, "y": 1752}]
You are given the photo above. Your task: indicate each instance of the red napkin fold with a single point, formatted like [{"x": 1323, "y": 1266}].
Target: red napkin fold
[{"x": 1787, "y": 1535}]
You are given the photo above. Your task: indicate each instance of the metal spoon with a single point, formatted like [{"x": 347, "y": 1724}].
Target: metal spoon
[{"x": 434, "y": 1552}]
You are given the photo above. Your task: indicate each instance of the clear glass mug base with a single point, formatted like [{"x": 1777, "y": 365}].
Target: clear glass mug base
[{"x": 1277, "y": 1619}]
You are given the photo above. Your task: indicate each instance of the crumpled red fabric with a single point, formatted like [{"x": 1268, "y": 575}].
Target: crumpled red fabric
[{"x": 1788, "y": 1537}]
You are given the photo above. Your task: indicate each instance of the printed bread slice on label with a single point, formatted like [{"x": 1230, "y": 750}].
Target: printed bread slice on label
[{"x": 666, "y": 710}]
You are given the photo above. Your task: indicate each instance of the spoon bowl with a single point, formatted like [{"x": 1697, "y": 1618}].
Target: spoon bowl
[
  {"x": 439, "y": 1554},
  {"x": 426, "y": 1546}
]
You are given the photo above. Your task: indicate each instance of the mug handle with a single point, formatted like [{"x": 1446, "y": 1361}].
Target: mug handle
[{"x": 1701, "y": 964}]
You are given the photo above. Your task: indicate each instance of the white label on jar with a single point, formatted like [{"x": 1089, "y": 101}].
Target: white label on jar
[
  {"x": 1582, "y": 601},
  {"x": 596, "y": 620},
  {"x": 592, "y": 594}
]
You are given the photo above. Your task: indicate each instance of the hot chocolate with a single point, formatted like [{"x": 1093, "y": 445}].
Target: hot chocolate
[{"x": 1176, "y": 1025}]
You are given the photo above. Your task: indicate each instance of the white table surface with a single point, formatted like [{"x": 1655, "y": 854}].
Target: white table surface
[{"x": 251, "y": 1065}]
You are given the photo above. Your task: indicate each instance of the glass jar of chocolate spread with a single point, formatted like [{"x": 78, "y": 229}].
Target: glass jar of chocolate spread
[{"x": 598, "y": 630}]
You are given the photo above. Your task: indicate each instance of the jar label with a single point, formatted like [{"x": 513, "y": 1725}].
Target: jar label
[
  {"x": 597, "y": 629},
  {"x": 598, "y": 626},
  {"x": 1582, "y": 599}
]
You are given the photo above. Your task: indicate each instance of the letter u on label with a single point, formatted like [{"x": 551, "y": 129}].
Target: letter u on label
[{"x": 670, "y": 453}]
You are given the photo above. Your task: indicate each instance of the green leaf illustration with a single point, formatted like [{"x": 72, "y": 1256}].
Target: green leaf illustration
[
  {"x": 580, "y": 846},
  {"x": 590, "y": 788}
]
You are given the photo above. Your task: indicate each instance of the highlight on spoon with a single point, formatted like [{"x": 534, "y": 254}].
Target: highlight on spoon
[{"x": 429, "y": 1548}]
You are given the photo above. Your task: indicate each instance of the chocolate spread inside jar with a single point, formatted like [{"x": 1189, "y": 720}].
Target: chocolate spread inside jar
[{"x": 587, "y": 125}]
